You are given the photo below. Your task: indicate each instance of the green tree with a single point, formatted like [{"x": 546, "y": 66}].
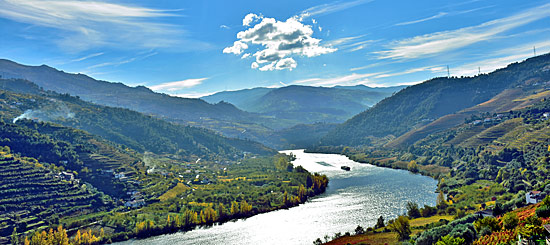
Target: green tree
[
  {"x": 14, "y": 238},
  {"x": 412, "y": 210},
  {"x": 402, "y": 227},
  {"x": 510, "y": 221},
  {"x": 412, "y": 166},
  {"x": 449, "y": 240},
  {"x": 379, "y": 222}
]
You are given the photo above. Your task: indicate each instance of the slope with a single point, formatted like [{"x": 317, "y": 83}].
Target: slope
[
  {"x": 129, "y": 128},
  {"x": 138, "y": 98},
  {"x": 418, "y": 105}
]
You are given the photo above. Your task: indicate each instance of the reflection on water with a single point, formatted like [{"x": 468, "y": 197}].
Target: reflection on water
[{"x": 356, "y": 197}]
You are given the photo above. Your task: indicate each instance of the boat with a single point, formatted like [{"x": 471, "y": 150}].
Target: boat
[{"x": 345, "y": 168}]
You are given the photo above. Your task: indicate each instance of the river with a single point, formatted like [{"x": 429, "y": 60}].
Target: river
[{"x": 356, "y": 197}]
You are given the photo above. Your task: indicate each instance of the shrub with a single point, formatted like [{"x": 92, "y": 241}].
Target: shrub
[
  {"x": 510, "y": 221},
  {"x": 543, "y": 211}
]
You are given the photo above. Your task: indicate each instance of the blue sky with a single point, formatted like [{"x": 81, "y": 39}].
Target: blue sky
[{"x": 194, "y": 48}]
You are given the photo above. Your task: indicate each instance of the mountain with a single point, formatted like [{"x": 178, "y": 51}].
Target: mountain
[
  {"x": 122, "y": 126},
  {"x": 305, "y": 104},
  {"x": 138, "y": 98},
  {"x": 441, "y": 103}
]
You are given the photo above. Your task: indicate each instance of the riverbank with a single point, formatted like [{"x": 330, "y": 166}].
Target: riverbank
[
  {"x": 352, "y": 197},
  {"x": 385, "y": 236}
]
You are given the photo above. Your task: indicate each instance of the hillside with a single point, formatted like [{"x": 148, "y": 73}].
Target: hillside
[
  {"x": 125, "y": 127},
  {"x": 414, "y": 107},
  {"x": 32, "y": 195},
  {"x": 140, "y": 98},
  {"x": 305, "y": 104}
]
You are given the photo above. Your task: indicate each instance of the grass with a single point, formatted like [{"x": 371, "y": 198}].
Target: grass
[
  {"x": 174, "y": 192},
  {"x": 371, "y": 238},
  {"x": 428, "y": 220},
  {"x": 387, "y": 237}
]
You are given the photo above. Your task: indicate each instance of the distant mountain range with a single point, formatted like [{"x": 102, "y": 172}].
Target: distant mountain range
[
  {"x": 261, "y": 112},
  {"x": 306, "y": 104},
  {"x": 441, "y": 103}
]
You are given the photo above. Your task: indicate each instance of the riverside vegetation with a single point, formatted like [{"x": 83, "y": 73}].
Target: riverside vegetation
[
  {"x": 498, "y": 152},
  {"x": 75, "y": 172}
]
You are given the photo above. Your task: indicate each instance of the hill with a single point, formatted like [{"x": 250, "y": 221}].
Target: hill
[
  {"x": 140, "y": 98},
  {"x": 305, "y": 104},
  {"x": 125, "y": 127},
  {"x": 435, "y": 101}
]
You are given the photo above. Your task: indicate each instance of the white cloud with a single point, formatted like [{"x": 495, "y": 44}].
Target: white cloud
[
  {"x": 237, "y": 48},
  {"x": 278, "y": 41},
  {"x": 83, "y": 25},
  {"x": 87, "y": 57},
  {"x": 249, "y": 18},
  {"x": 439, "y": 42},
  {"x": 121, "y": 62},
  {"x": 245, "y": 56},
  {"x": 437, "y": 16},
  {"x": 225, "y": 27},
  {"x": 432, "y": 69},
  {"x": 193, "y": 95},
  {"x": 497, "y": 61},
  {"x": 347, "y": 80},
  {"x": 331, "y": 7},
  {"x": 351, "y": 44},
  {"x": 177, "y": 85}
]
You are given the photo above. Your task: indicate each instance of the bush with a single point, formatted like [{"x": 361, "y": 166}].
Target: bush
[
  {"x": 543, "y": 211},
  {"x": 412, "y": 210},
  {"x": 492, "y": 223},
  {"x": 510, "y": 221}
]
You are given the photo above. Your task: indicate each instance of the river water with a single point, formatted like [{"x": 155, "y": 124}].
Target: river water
[{"x": 356, "y": 197}]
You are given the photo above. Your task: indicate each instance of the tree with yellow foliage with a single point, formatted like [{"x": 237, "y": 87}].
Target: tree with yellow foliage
[
  {"x": 245, "y": 208},
  {"x": 234, "y": 208}
]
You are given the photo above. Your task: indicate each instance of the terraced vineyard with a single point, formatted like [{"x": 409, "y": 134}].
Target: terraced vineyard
[{"x": 32, "y": 196}]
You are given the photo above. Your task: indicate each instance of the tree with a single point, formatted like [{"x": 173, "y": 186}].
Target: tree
[
  {"x": 412, "y": 210},
  {"x": 492, "y": 223},
  {"x": 245, "y": 208},
  {"x": 402, "y": 227},
  {"x": 379, "y": 222},
  {"x": 14, "y": 238},
  {"x": 440, "y": 199},
  {"x": 510, "y": 221},
  {"x": 359, "y": 230},
  {"x": 412, "y": 166},
  {"x": 302, "y": 193},
  {"x": 234, "y": 208},
  {"x": 449, "y": 240}
]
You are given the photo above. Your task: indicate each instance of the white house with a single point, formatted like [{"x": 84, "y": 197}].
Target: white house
[
  {"x": 533, "y": 197},
  {"x": 135, "y": 203}
]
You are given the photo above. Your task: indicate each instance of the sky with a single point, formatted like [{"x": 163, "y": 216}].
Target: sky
[{"x": 196, "y": 48}]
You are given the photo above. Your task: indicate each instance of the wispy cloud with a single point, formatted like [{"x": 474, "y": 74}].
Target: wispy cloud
[
  {"x": 497, "y": 60},
  {"x": 178, "y": 85},
  {"x": 85, "y": 24},
  {"x": 432, "y": 69},
  {"x": 332, "y": 7},
  {"x": 87, "y": 57},
  {"x": 346, "y": 80},
  {"x": 351, "y": 44},
  {"x": 193, "y": 95},
  {"x": 440, "y": 42},
  {"x": 121, "y": 62},
  {"x": 365, "y": 67},
  {"x": 437, "y": 16}
]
